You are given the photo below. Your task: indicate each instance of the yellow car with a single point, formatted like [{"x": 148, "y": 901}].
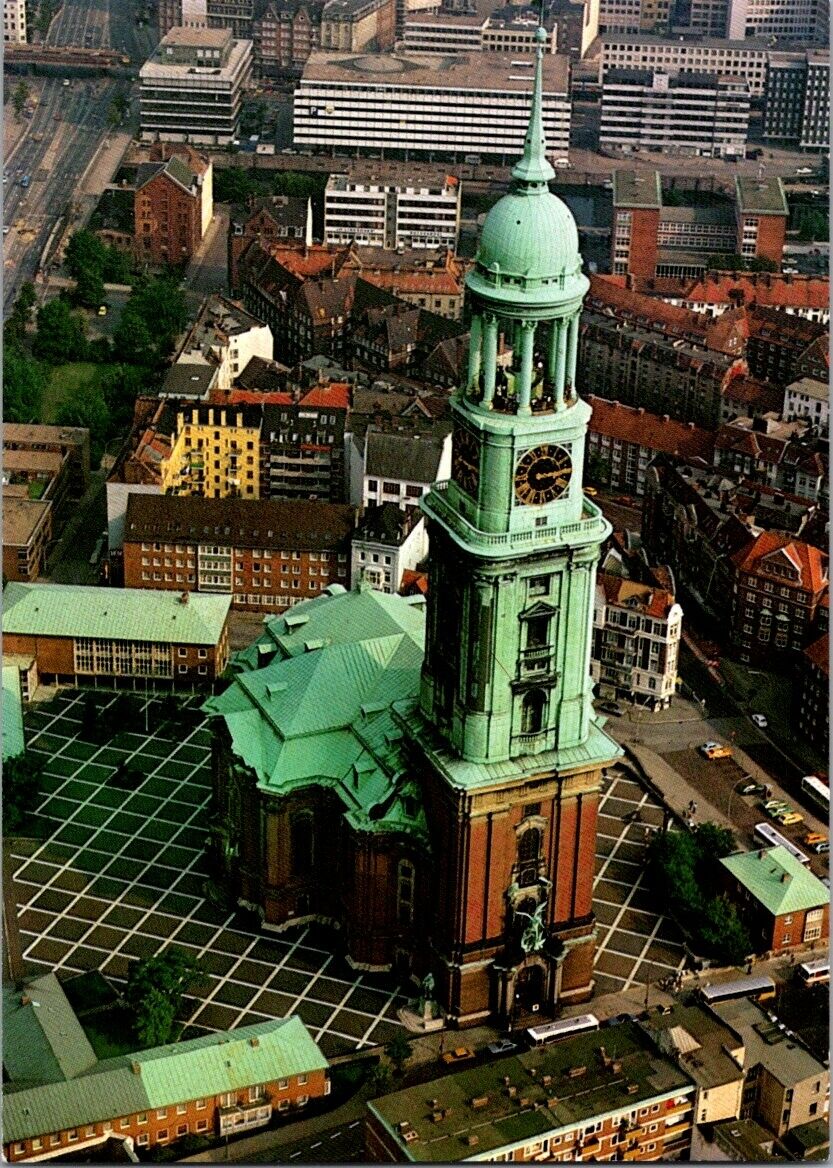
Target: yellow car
[
  {"x": 102, "y": 310},
  {"x": 591, "y": 491},
  {"x": 460, "y": 1055},
  {"x": 789, "y": 818}
]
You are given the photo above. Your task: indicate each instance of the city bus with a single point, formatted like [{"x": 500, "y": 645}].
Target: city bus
[
  {"x": 813, "y": 973},
  {"x": 817, "y": 792},
  {"x": 555, "y": 1031},
  {"x": 773, "y": 839},
  {"x": 759, "y": 989}
]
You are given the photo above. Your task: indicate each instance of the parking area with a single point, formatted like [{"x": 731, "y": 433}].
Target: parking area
[
  {"x": 120, "y": 875},
  {"x": 636, "y": 944}
]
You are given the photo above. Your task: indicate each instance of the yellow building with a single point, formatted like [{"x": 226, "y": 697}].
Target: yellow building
[{"x": 215, "y": 453}]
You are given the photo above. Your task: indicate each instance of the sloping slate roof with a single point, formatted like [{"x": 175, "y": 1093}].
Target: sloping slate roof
[
  {"x": 763, "y": 872},
  {"x": 14, "y": 741},
  {"x": 406, "y": 458},
  {"x": 43, "y": 1041},
  {"x": 166, "y": 1075},
  {"x": 114, "y": 614}
]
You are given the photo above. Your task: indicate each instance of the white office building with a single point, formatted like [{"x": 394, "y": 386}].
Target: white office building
[
  {"x": 388, "y": 541},
  {"x": 448, "y": 107},
  {"x": 14, "y": 21},
  {"x": 509, "y": 30},
  {"x": 809, "y": 400},
  {"x": 397, "y": 216},
  {"x": 740, "y": 59},
  {"x": 684, "y": 114},
  {"x": 191, "y": 89}
]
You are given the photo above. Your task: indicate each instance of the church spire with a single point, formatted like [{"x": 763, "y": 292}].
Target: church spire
[{"x": 533, "y": 170}]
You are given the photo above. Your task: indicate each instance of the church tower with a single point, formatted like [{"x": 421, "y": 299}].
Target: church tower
[{"x": 505, "y": 736}]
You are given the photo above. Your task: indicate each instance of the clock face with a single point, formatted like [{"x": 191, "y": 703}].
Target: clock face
[
  {"x": 542, "y": 474},
  {"x": 465, "y": 461}
]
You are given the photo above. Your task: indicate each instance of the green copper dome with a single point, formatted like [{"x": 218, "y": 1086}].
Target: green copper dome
[{"x": 531, "y": 236}]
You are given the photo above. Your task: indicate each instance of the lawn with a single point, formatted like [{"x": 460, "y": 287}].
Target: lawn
[
  {"x": 110, "y": 1033},
  {"x": 63, "y": 381}
]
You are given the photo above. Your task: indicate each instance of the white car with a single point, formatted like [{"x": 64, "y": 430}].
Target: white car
[
  {"x": 760, "y": 721},
  {"x": 804, "y": 170}
]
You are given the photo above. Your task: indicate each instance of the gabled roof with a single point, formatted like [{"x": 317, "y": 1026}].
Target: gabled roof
[
  {"x": 410, "y": 458},
  {"x": 637, "y": 425},
  {"x": 625, "y": 593},
  {"x": 809, "y": 561},
  {"x": 818, "y": 653},
  {"x": 776, "y": 880},
  {"x": 114, "y": 614},
  {"x": 43, "y": 1041}
]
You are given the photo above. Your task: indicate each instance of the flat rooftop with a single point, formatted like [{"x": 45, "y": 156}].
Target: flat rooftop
[
  {"x": 443, "y": 20},
  {"x": 632, "y": 188},
  {"x": 766, "y": 1043},
  {"x": 555, "y": 1088},
  {"x": 438, "y": 70},
  {"x": 36, "y": 435},
  {"x": 645, "y": 79},
  {"x": 761, "y": 44},
  {"x": 21, "y": 518},
  {"x": 36, "y": 461},
  {"x": 159, "y": 70},
  {"x": 761, "y": 196},
  {"x": 197, "y": 38},
  {"x": 701, "y": 1041}
]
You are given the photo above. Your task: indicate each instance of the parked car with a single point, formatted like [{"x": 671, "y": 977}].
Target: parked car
[
  {"x": 748, "y": 786},
  {"x": 789, "y": 818},
  {"x": 612, "y": 708},
  {"x": 460, "y": 1055},
  {"x": 711, "y": 750},
  {"x": 804, "y": 170},
  {"x": 760, "y": 721},
  {"x": 776, "y": 809},
  {"x": 502, "y": 1046},
  {"x": 821, "y": 848},
  {"x": 817, "y": 842}
]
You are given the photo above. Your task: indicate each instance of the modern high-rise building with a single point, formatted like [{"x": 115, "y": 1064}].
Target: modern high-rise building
[
  {"x": 428, "y": 779},
  {"x": 450, "y": 108},
  {"x": 738, "y": 59},
  {"x": 375, "y": 213},
  {"x": 803, "y": 21},
  {"x": 191, "y": 89},
  {"x": 14, "y": 21},
  {"x": 687, "y": 113},
  {"x": 797, "y": 99}
]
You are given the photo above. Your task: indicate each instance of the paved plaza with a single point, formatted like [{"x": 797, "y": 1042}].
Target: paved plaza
[{"x": 121, "y": 875}]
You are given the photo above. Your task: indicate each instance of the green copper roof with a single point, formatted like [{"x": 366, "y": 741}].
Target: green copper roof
[
  {"x": 14, "y": 741},
  {"x": 529, "y": 235},
  {"x": 43, "y": 1041},
  {"x": 163, "y": 1077},
  {"x": 310, "y": 704},
  {"x": 777, "y": 880},
  {"x": 113, "y": 614}
]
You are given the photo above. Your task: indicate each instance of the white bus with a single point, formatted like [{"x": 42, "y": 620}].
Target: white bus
[
  {"x": 817, "y": 792},
  {"x": 554, "y": 1031},
  {"x": 773, "y": 839},
  {"x": 814, "y": 973},
  {"x": 759, "y": 989}
]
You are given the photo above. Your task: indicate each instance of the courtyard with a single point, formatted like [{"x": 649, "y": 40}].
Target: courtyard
[{"x": 118, "y": 874}]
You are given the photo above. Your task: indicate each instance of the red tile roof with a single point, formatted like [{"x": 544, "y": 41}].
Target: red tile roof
[
  {"x": 809, "y": 560},
  {"x": 763, "y": 288},
  {"x": 656, "y": 602},
  {"x": 334, "y": 393},
  {"x": 629, "y": 424},
  {"x": 413, "y": 583}
]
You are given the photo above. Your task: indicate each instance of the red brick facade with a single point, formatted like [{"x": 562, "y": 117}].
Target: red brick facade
[
  {"x": 213, "y": 1116},
  {"x": 167, "y": 221},
  {"x": 772, "y": 231}
]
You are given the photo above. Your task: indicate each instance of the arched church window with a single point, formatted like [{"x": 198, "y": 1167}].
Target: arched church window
[
  {"x": 529, "y": 851},
  {"x": 301, "y": 848},
  {"x": 532, "y": 718},
  {"x": 405, "y": 883}
]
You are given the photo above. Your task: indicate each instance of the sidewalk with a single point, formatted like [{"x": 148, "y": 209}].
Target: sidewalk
[{"x": 674, "y": 792}]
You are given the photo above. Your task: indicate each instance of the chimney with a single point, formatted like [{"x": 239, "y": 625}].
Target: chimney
[
  {"x": 136, "y": 1068},
  {"x": 183, "y": 598},
  {"x": 25, "y": 1000},
  {"x": 785, "y": 877}
]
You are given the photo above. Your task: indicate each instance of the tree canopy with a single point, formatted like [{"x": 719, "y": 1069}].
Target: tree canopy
[
  {"x": 154, "y": 991},
  {"x": 24, "y": 382},
  {"x": 151, "y": 321},
  {"x": 61, "y": 333},
  {"x": 20, "y": 790}
]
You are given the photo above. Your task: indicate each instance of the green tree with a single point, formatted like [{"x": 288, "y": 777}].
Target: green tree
[
  {"x": 20, "y": 790},
  {"x": 232, "y": 184},
  {"x": 398, "y": 1051},
  {"x": 89, "y": 289},
  {"x": 60, "y": 335},
  {"x": 154, "y": 991},
  {"x": 117, "y": 267},
  {"x": 24, "y": 383},
  {"x": 132, "y": 340},
  {"x": 714, "y": 841},
  {"x": 723, "y": 931},
  {"x": 672, "y": 856},
  {"x": 86, "y": 407},
  {"x": 27, "y": 298},
  {"x": 120, "y": 386},
  {"x": 85, "y": 253},
  {"x": 19, "y": 97},
  {"x": 93, "y": 728},
  {"x": 379, "y": 1080}
]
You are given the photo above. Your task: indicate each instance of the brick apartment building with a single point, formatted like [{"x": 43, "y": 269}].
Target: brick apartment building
[
  {"x": 27, "y": 532},
  {"x": 302, "y": 443},
  {"x": 596, "y": 1096},
  {"x": 622, "y": 441},
  {"x": 281, "y": 218},
  {"x": 813, "y": 694},
  {"x": 715, "y": 292},
  {"x": 354, "y": 26},
  {"x": 283, "y": 37},
  {"x": 777, "y": 342},
  {"x": 172, "y": 206},
  {"x": 266, "y": 554},
  {"x": 780, "y": 454},
  {"x": 71, "y": 442},
  {"x": 653, "y": 239},
  {"x": 781, "y": 902},
  {"x": 779, "y": 584},
  {"x": 217, "y": 1085},
  {"x": 83, "y": 635}
]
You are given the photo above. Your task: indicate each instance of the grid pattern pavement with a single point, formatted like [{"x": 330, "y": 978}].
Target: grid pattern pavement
[
  {"x": 120, "y": 874},
  {"x": 635, "y": 944}
]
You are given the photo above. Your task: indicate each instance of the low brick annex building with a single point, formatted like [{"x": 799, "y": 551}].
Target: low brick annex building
[
  {"x": 81, "y": 635},
  {"x": 782, "y": 903},
  {"x": 267, "y": 554},
  {"x": 216, "y": 1085}
]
